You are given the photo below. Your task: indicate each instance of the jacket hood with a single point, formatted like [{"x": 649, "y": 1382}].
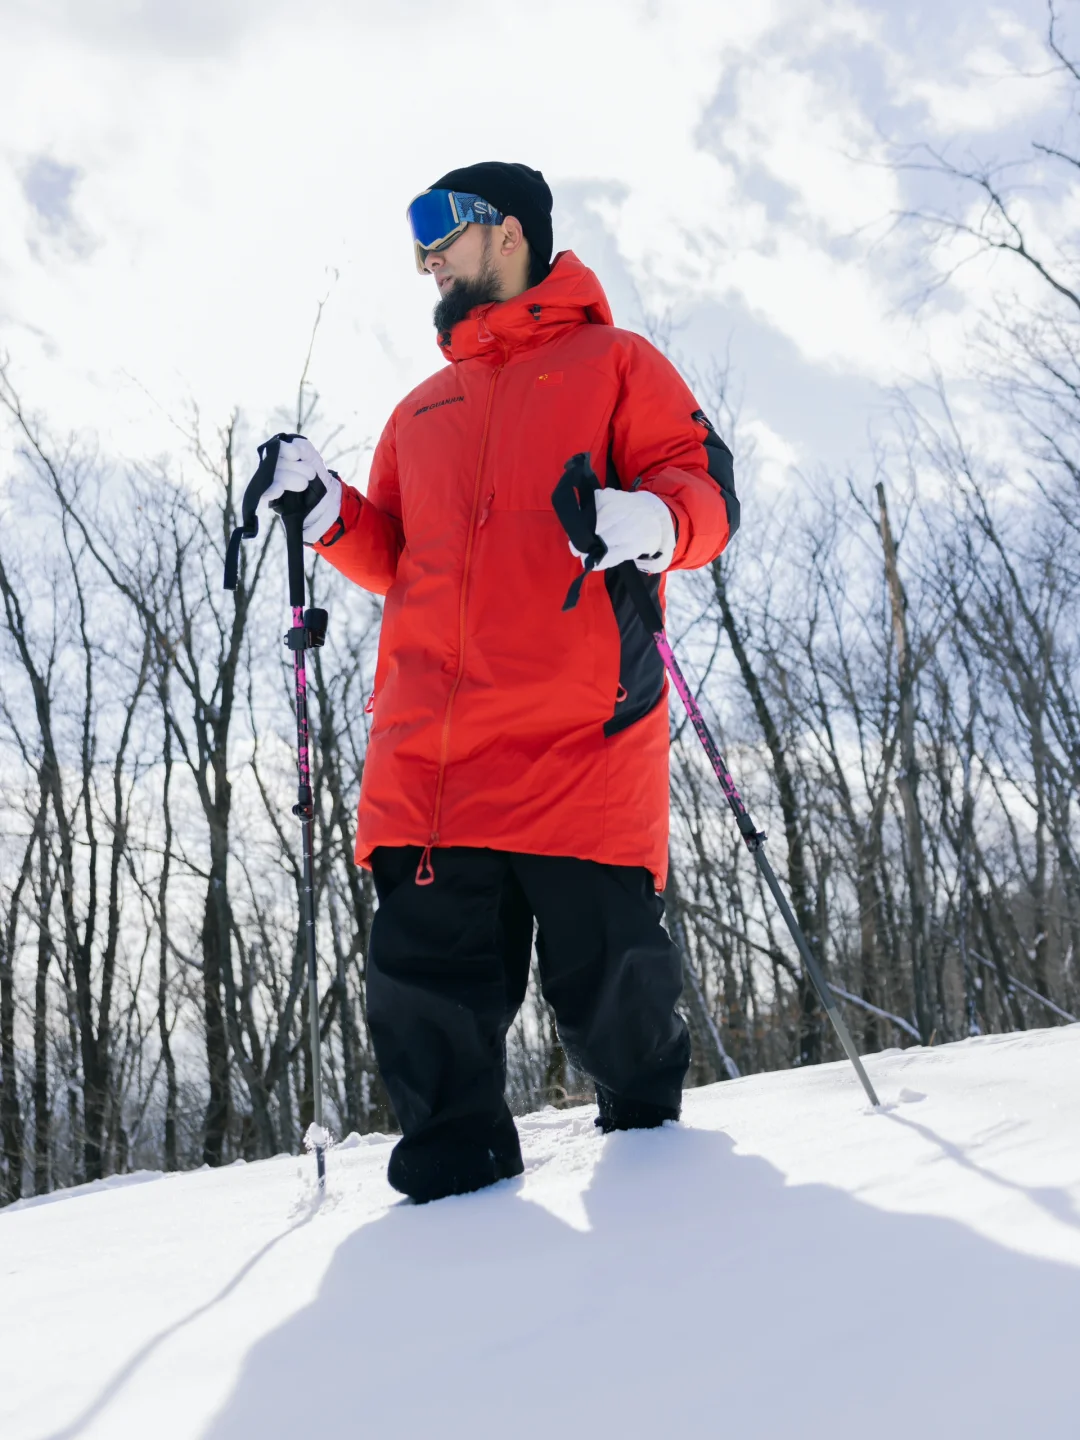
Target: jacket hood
[{"x": 570, "y": 295}]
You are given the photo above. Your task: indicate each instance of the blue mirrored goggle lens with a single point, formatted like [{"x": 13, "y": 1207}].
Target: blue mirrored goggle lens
[
  {"x": 438, "y": 214},
  {"x": 431, "y": 217}
]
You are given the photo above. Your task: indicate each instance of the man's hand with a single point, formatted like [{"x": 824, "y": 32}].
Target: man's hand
[
  {"x": 300, "y": 469},
  {"x": 634, "y": 525}
]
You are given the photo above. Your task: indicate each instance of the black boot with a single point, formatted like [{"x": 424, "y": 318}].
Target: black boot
[
  {"x": 455, "y": 1162},
  {"x": 618, "y": 1113}
]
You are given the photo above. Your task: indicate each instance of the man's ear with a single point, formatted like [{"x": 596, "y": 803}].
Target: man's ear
[{"x": 513, "y": 236}]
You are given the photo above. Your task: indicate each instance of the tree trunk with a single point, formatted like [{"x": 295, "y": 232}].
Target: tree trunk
[
  {"x": 810, "y": 1041},
  {"x": 12, "y": 1135},
  {"x": 556, "y": 1076},
  {"x": 704, "y": 1026},
  {"x": 347, "y": 1022},
  {"x": 907, "y": 780},
  {"x": 42, "y": 1117},
  {"x": 215, "y": 948},
  {"x": 164, "y": 1038},
  {"x": 868, "y": 950},
  {"x": 1039, "y": 901},
  {"x": 11, "y": 1127}
]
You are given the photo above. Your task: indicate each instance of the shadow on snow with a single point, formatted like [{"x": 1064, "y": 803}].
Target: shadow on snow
[{"x": 706, "y": 1297}]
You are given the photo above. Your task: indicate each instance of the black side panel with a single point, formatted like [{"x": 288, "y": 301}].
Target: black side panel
[
  {"x": 721, "y": 466},
  {"x": 641, "y": 671}
]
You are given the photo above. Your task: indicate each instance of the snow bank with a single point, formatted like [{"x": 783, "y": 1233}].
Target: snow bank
[
  {"x": 783, "y": 1263},
  {"x": 112, "y": 1182}
]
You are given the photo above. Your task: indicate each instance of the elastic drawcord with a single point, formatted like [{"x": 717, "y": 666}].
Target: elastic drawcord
[{"x": 425, "y": 874}]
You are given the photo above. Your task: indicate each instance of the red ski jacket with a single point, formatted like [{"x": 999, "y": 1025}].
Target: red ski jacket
[{"x": 500, "y": 721}]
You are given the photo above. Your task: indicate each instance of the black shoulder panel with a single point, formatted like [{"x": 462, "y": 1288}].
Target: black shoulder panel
[{"x": 721, "y": 466}]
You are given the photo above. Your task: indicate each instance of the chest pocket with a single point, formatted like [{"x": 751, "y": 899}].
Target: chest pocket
[
  {"x": 436, "y": 448},
  {"x": 545, "y": 411}
]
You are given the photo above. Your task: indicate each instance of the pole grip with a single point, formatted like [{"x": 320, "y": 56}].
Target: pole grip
[
  {"x": 293, "y": 520},
  {"x": 257, "y": 487}
]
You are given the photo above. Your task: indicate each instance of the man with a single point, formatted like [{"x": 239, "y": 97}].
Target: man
[{"x": 518, "y": 761}]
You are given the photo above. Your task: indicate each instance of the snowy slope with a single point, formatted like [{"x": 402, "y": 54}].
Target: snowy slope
[{"x": 783, "y": 1264}]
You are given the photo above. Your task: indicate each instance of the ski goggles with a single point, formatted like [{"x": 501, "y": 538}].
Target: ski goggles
[{"x": 437, "y": 218}]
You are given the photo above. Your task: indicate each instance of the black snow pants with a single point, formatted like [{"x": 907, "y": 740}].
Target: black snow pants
[{"x": 448, "y": 966}]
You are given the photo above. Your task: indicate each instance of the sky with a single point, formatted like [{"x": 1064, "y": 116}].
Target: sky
[{"x": 182, "y": 185}]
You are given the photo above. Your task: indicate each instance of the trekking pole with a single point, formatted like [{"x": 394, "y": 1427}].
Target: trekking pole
[
  {"x": 308, "y": 631},
  {"x": 574, "y": 499}
]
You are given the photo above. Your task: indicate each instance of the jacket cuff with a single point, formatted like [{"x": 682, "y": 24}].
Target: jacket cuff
[
  {"x": 681, "y": 521},
  {"x": 346, "y": 518}
]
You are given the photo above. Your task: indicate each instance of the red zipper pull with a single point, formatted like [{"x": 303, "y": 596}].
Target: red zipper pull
[
  {"x": 425, "y": 873},
  {"x": 369, "y": 708},
  {"x": 620, "y": 695},
  {"x": 486, "y": 511}
]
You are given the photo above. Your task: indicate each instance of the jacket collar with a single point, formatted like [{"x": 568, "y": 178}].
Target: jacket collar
[{"x": 570, "y": 295}]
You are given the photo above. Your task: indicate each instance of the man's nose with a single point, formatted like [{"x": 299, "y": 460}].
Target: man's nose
[{"x": 433, "y": 262}]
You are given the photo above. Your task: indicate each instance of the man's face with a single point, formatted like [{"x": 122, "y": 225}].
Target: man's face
[
  {"x": 466, "y": 275},
  {"x": 463, "y": 260}
]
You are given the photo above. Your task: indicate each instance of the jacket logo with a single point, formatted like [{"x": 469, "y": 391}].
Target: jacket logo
[
  {"x": 451, "y": 400},
  {"x": 550, "y": 377}
]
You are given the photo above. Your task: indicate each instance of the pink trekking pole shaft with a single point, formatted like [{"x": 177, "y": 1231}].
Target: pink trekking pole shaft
[
  {"x": 574, "y": 499},
  {"x": 308, "y": 631}
]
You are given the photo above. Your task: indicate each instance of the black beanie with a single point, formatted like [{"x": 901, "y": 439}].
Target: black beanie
[{"x": 515, "y": 190}]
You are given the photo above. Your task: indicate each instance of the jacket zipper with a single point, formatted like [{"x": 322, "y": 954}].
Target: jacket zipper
[{"x": 424, "y": 872}]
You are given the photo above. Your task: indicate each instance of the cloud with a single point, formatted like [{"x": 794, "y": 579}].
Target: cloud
[
  {"x": 773, "y": 460},
  {"x": 49, "y": 188},
  {"x": 992, "y": 80},
  {"x": 226, "y": 158},
  {"x": 178, "y": 31}
]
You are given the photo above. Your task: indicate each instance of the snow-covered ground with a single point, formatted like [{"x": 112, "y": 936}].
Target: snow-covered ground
[{"x": 784, "y": 1264}]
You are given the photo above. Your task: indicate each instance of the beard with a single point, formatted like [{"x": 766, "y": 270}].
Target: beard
[{"x": 463, "y": 295}]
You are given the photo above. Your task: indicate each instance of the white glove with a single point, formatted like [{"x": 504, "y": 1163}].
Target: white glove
[
  {"x": 634, "y": 525},
  {"x": 298, "y": 465}
]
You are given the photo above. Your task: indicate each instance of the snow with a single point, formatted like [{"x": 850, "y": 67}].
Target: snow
[
  {"x": 785, "y": 1262},
  {"x": 112, "y": 1182}
]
